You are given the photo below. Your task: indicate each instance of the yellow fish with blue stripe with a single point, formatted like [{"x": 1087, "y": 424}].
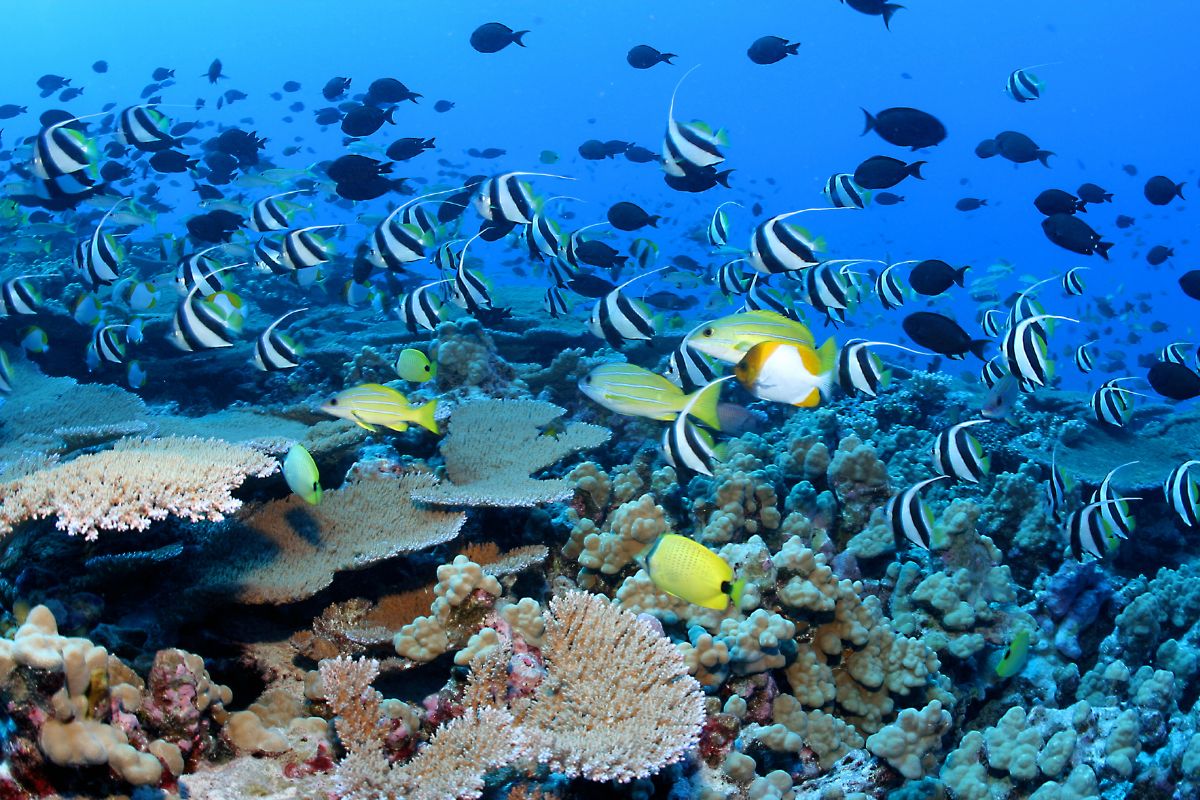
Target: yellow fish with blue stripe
[
  {"x": 686, "y": 569},
  {"x": 374, "y": 406},
  {"x": 730, "y": 338}
]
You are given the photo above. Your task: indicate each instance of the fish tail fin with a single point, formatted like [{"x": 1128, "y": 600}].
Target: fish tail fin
[
  {"x": 1179, "y": 190},
  {"x": 1081, "y": 207},
  {"x": 517, "y": 37},
  {"x": 978, "y": 346},
  {"x": 914, "y": 169},
  {"x": 423, "y": 416},
  {"x": 827, "y": 354},
  {"x": 737, "y": 590},
  {"x": 888, "y": 10},
  {"x": 1108, "y": 196},
  {"x": 869, "y": 123},
  {"x": 1044, "y": 157},
  {"x": 653, "y": 221},
  {"x": 1102, "y": 249},
  {"x": 960, "y": 275},
  {"x": 705, "y": 401},
  {"x": 665, "y": 58},
  {"x": 792, "y": 48},
  {"x": 723, "y": 178},
  {"x": 388, "y": 116}
]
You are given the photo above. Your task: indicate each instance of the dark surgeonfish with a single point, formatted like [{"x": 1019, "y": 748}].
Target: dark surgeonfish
[
  {"x": 771, "y": 50},
  {"x": 643, "y": 56},
  {"x": 905, "y": 127},
  {"x": 875, "y": 8},
  {"x": 942, "y": 335},
  {"x": 492, "y": 37}
]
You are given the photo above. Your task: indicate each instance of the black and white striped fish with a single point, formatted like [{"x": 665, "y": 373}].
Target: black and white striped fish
[
  {"x": 107, "y": 344},
  {"x": 1088, "y": 531},
  {"x": 468, "y": 291},
  {"x": 992, "y": 373},
  {"x": 6, "y": 373},
  {"x": 718, "y": 227},
  {"x": 1111, "y": 404},
  {"x": 1072, "y": 281},
  {"x": 689, "y": 369},
  {"x": 687, "y": 448},
  {"x": 418, "y": 215},
  {"x": 1024, "y": 350},
  {"x": 266, "y": 215},
  {"x": 1025, "y": 306},
  {"x": 690, "y": 146},
  {"x": 992, "y": 322},
  {"x": 197, "y": 326},
  {"x": 1183, "y": 495},
  {"x": 100, "y": 256},
  {"x": 958, "y": 454},
  {"x": 554, "y": 303},
  {"x": 421, "y": 308},
  {"x": 731, "y": 280},
  {"x": 1056, "y": 488},
  {"x": 888, "y": 289},
  {"x": 843, "y": 192},
  {"x": 567, "y": 251},
  {"x": 507, "y": 199},
  {"x": 268, "y": 255},
  {"x": 1177, "y": 353},
  {"x": 561, "y": 272},
  {"x": 829, "y": 290},
  {"x": 303, "y": 249},
  {"x": 542, "y": 237},
  {"x": 1023, "y": 86},
  {"x": 1084, "y": 361},
  {"x": 910, "y": 517},
  {"x": 616, "y": 319},
  {"x": 776, "y": 246},
  {"x": 394, "y": 244},
  {"x": 763, "y": 297},
  {"x": 1115, "y": 508},
  {"x": 144, "y": 128},
  {"x": 199, "y": 269},
  {"x": 444, "y": 257},
  {"x": 59, "y": 151},
  {"x": 19, "y": 297},
  {"x": 860, "y": 370},
  {"x": 274, "y": 351}
]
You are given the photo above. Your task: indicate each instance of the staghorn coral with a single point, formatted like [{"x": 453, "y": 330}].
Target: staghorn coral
[
  {"x": 493, "y": 446},
  {"x": 624, "y": 722},
  {"x": 137, "y": 482},
  {"x": 300, "y": 547}
]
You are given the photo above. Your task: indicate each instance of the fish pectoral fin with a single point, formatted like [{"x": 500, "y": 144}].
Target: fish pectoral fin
[
  {"x": 359, "y": 420},
  {"x": 399, "y": 426}
]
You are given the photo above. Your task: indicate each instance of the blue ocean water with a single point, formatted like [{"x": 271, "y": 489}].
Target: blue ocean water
[{"x": 1117, "y": 108}]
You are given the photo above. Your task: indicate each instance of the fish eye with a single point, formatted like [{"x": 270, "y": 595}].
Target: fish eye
[
  {"x": 427, "y": 368},
  {"x": 707, "y": 332},
  {"x": 333, "y": 401}
]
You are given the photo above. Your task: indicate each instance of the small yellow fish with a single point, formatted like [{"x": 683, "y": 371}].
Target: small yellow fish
[
  {"x": 301, "y": 474},
  {"x": 1016, "y": 655},
  {"x": 686, "y": 569},
  {"x": 414, "y": 366},
  {"x": 35, "y": 340},
  {"x": 374, "y": 406}
]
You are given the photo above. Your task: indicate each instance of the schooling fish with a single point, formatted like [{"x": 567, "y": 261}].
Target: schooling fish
[
  {"x": 958, "y": 454},
  {"x": 1023, "y": 86},
  {"x": 1183, "y": 494},
  {"x": 1024, "y": 350},
  {"x": 1110, "y": 403},
  {"x": 492, "y": 37},
  {"x": 771, "y": 50},
  {"x": 274, "y": 351},
  {"x": 1072, "y": 281},
  {"x": 687, "y": 448},
  {"x": 643, "y": 56},
  {"x": 421, "y": 308},
  {"x": 1174, "y": 380},
  {"x": 942, "y": 335},
  {"x": 718, "y": 227},
  {"x": 374, "y": 406},
  {"x": 1088, "y": 532},
  {"x": 933, "y": 276},
  {"x": 842, "y": 192},
  {"x": 884, "y": 172},
  {"x": 1115, "y": 508},
  {"x": 301, "y": 474},
  {"x": 888, "y": 289},
  {"x": 910, "y": 517},
  {"x": 686, "y": 569}
]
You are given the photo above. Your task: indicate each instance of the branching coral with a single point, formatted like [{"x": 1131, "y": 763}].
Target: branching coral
[{"x": 135, "y": 483}]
